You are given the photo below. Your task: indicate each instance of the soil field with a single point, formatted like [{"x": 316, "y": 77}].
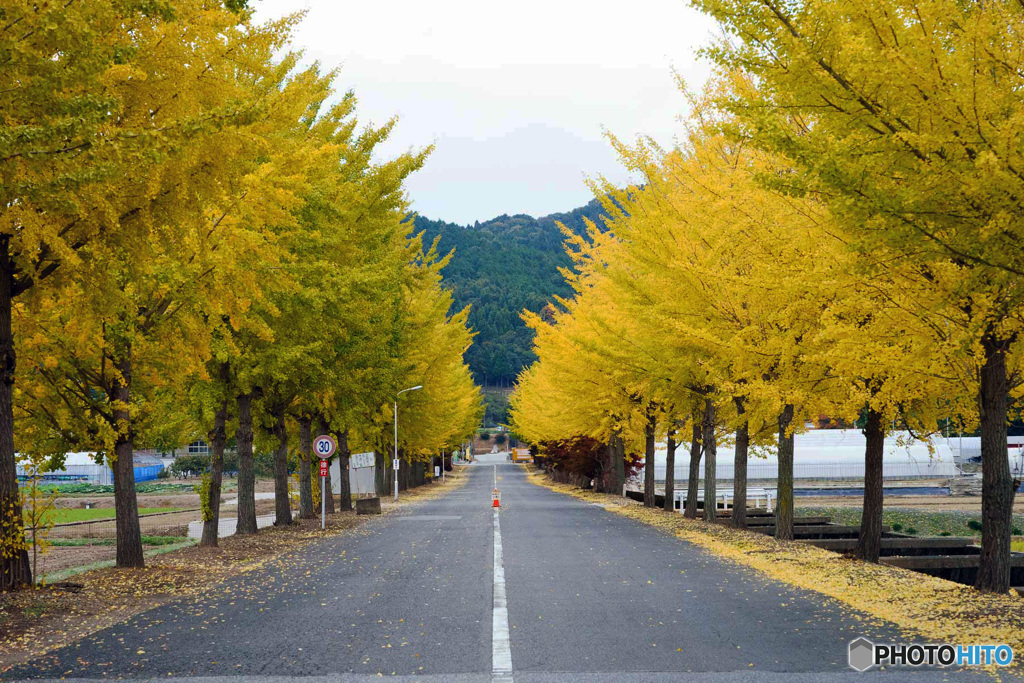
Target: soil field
[{"x": 169, "y": 499}]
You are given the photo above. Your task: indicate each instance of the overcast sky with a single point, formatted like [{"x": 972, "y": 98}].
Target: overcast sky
[{"x": 514, "y": 95}]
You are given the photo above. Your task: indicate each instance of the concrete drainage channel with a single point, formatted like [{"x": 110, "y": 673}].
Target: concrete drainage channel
[{"x": 947, "y": 557}]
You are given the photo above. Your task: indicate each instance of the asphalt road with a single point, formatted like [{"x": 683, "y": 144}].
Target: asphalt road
[{"x": 590, "y": 595}]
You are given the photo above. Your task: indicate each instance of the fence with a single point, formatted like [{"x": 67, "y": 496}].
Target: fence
[{"x": 155, "y": 523}]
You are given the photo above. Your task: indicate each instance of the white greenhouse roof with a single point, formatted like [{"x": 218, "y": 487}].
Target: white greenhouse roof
[{"x": 826, "y": 454}]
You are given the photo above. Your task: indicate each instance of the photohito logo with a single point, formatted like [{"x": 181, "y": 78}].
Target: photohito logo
[{"x": 864, "y": 654}]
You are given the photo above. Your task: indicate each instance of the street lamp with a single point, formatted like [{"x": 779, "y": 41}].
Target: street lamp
[{"x": 396, "y": 433}]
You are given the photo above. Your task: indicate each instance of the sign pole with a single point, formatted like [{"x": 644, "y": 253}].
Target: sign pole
[
  {"x": 395, "y": 463},
  {"x": 324, "y": 447}
]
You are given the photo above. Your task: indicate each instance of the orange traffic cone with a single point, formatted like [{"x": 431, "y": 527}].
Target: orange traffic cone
[{"x": 497, "y": 498}]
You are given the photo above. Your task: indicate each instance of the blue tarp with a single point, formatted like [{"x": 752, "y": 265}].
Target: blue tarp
[{"x": 148, "y": 473}]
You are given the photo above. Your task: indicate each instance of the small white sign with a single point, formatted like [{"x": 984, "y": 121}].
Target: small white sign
[
  {"x": 324, "y": 446},
  {"x": 437, "y": 471},
  {"x": 359, "y": 460},
  {"x": 394, "y": 463}
]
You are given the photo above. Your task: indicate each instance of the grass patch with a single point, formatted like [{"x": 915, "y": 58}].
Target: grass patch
[
  {"x": 909, "y": 520},
  {"x": 35, "y": 611},
  {"x": 64, "y": 515},
  {"x": 1018, "y": 545},
  {"x": 146, "y": 540}
]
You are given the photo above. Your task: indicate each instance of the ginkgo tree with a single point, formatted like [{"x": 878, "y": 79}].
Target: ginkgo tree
[
  {"x": 905, "y": 118},
  {"x": 138, "y": 311},
  {"x": 694, "y": 267},
  {"x": 200, "y": 238},
  {"x": 715, "y": 286},
  {"x": 58, "y": 146},
  {"x": 431, "y": 342}
]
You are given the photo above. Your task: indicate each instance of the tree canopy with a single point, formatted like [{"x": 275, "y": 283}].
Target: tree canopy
[{"x": 195, "y": 233}]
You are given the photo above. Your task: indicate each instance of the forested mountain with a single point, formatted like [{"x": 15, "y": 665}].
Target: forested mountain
[{"x": 500, "y": 267}]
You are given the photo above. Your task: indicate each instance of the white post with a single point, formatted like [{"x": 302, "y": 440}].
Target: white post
[
  {"x": 323, "y": 504},
  {"x": 393, "y": 465},
  {"x": 442, "y": 466}
]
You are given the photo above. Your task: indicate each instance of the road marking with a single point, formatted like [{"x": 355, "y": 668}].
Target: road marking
[{"x": 501, "y": 649}]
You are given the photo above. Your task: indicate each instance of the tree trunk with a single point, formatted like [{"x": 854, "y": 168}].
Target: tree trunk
[
  {"x": 218, "y": 438},
  {"x": 997, "y": 485},
  {"x": 670, "y": 472},
  {"x": 246, "y": 468},
  {"x": 649, "y": 458},
  {"x": 282, "y": 505},
  {"x": 327, "y": 487},
  {"x": 345, "y": 485},
  {"x": 739, "y": 479},
  {"x": 710, "y": 462},
  {"x": 15, "y": 570},
  {"x": 784, "y": 504},
  {"x": 618, "y": 454},
  {"x": 379, "y": 474},
  {"x": 305, "y": 461},
  {"x": 869, "y": 542},
  {"x": 126, "y": 503},
  {"x": 693, "y": 483}
]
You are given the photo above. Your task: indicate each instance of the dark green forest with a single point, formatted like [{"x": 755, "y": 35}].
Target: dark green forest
[{"x": 500, "y": 267}]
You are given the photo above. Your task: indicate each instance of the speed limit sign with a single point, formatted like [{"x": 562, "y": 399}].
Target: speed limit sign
[{"x": 324, "y": 446}]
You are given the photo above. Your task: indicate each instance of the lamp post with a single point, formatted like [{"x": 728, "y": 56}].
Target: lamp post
[{"x": 395, "y": 466}]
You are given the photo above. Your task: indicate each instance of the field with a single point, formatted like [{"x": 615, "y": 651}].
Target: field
[
  {"x": 110, "y": 540},
  {"x": 65, "y": 515},
  {"x": 97, "y": 489}
]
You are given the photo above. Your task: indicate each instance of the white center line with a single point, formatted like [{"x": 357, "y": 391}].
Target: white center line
[{"x": 501, "y": 649}]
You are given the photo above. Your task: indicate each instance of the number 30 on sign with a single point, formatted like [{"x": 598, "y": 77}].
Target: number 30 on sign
[{"x": 324, "y": 446}]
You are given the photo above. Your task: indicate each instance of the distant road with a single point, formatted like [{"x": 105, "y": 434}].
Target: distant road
[
  {"x": 492, "y": 458},
  {"x": 587, "y": 595}
]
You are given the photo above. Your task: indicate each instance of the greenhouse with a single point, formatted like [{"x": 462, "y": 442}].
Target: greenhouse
[{"x": 826, "y": 454}]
